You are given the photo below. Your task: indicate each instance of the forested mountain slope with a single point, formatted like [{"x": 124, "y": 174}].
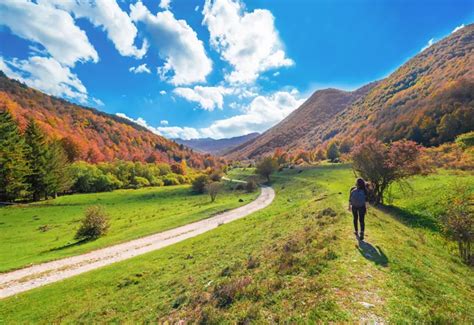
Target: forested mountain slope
[
  {"x": 98, "y": 136},
  {"x": 429, "y": 99},
  {"x": 217, "y": 146}
]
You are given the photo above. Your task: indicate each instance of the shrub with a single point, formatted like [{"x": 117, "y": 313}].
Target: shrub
[
  {"x": 458, "y": 221},
  {"x": 155, "y": 181},
  {"x": 266, "y": 167},
  {"x": 466, "y": 140},
  {"x": 181, "y": 179},
  {"x": 170, "y": 179},
  {"x": 333, "y": 152},
  {"x": 251, "y": 185},
  {"x": 216, "y": 176},
  {"x": 140, "y": 182},
  {"x": 200, "y": 183},
  {"x": 213, "y": 189},
  {"x": 94, "y": 224}
]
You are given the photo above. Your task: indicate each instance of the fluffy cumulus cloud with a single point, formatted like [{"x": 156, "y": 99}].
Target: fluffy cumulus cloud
[
  {"x": 248, "y": 41},
  {"x": 262, "y": 113},
  {"x": 47, "y": 75},
  {"x": 53, "y": 28},
  {"x": 177, "y": 43},
  {"x": 208, "y": 98},
  {"x": 110, "y": 17},
  {"x": 142, "y": 68},
  {"x": 165, "y": 4}
]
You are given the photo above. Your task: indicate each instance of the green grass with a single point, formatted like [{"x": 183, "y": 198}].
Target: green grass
[
  {"x": 294, "y": 261},
  {"x": 44, "y": 231}
]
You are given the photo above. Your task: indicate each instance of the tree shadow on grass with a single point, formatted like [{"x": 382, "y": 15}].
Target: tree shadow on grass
[
  {"x": 69, "y": 245},
  {"x": 374, "y": 254},
  {"x": 410, "y": 219}
]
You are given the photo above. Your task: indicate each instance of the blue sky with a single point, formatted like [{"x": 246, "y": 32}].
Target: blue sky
[{"x": 216, "y": 68}]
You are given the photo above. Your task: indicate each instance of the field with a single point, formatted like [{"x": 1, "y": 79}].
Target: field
[
  {"x": 44, "y": 231},
  {"x": 296, "y": 260}
]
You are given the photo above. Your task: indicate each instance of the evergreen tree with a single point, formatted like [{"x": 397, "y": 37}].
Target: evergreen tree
[
  {"x": 333, "y": 152},
  {"x": 37, "y": 159},
  {"x": 58, "y": 178},
  {"x": 13, "y": 165}
]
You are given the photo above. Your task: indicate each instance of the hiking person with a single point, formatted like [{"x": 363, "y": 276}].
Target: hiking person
[{"x": 357, "y": 204}]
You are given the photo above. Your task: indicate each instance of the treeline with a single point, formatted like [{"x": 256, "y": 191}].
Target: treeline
[{"x": 33, "y": 167}]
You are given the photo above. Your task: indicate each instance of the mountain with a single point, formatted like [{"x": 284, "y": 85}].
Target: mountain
[
  {"x": 220, "y": 146},
  {"x": 98, "y": 135},
  {"x": 429, "y": 99}
]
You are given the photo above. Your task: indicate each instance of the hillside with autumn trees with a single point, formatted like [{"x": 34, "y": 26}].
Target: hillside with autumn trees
[
  {"x": 91, "y": 135},
  {"x": 429, "y": 99}
]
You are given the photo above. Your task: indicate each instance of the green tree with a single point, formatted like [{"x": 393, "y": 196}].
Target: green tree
[
  {"x": 37, "y": 159},
  {"x": 266, "y": 167},
  {"x": 13, "y": 164},
  {"x": 333, "y": 152},
  {"x": 58, "y": 176}
]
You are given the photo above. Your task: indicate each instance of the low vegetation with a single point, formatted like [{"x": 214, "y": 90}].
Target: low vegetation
[
  {"x": 295, "y": 261},
  {"x": 95, "y": 224},
  {"x": 43, "y": 231}
]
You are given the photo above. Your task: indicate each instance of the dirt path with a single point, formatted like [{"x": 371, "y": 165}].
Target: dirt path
[{"x": 35, "y": 276}]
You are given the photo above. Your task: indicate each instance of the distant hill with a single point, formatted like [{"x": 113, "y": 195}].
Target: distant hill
[
  {"x": 429, "y": 99},
  {"x": 217, "y": 147},
  {"x": 100, "y": 136}
]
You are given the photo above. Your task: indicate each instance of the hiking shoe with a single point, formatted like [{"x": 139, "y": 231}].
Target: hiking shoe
[
  {"x": 355, "y": 233},
  {"x": 361, "y": 235}
]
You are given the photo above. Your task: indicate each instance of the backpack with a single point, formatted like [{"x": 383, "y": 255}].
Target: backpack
[{"x": 358, "y": 198}]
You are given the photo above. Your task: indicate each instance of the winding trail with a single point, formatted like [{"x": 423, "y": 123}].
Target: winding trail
[{"x": 39, "y": 275}]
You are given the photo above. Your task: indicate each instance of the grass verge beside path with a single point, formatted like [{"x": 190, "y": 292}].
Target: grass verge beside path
[
  {"x": 295, "y": 261},
  {"x": 44, "y": 231}
]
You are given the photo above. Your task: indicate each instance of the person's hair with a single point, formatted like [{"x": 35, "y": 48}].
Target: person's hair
[{"x": 360, "y": 184}]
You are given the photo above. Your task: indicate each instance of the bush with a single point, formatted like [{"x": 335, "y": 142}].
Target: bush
[
  {"x": 213, "y": 189},
  {"x": 458, "y": 221},
  {"x": 139, "y": 182},
  {"x": 170, "y": 179},
  {"x": 200, "y": 183},
  {"x": 216, "y": 176},
  {"x": 251, "y": 185},
  {"x": 333, "y": 152},
  {"x": 94, "y": 224},
  {"x": 181, "y": 179},
  {"x": 155, "y": 181}
]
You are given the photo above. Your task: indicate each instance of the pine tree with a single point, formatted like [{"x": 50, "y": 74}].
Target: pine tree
[
  {"x": 37, "y": 159},
  {"x": 13, "y": 165},
  {"x": 58, "y": 177}
]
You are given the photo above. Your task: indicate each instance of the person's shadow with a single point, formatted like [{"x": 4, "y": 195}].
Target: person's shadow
[{"x": 371, "y": 253}]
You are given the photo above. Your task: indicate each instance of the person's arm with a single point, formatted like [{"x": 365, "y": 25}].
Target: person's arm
[{"x": 349, "y": 208}]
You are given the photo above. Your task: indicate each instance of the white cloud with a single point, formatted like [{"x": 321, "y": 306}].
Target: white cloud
[
  {"x": 108, "y": 15},
  {"x": 165, "y": 4},
  {"x": 249, "y": 41},
  {"x": 276, "y": 74},
  {"x": 164, "y": 122},
  {"x": 166, "y": 131},
  {"x": 98, "y": 102},
  {"x": 142, "y": 68},
  {"x": 177, "y": 43},
  {"x": 196, "y": 8},
  {"x": 262, "y": 113},
  {"x": 54, "y": 29},
  {"x": 208, "y": 98},
  {"x": 430, "y": 42},
  {"x": 162, "y": 92},
  {"x": 47, "y": 75},
  {"x": 458, "y": 28}
]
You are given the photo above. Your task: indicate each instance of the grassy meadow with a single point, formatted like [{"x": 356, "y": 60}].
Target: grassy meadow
[
  {"x": 39, "y": 232},
  {"x": 296, "y": 260}
]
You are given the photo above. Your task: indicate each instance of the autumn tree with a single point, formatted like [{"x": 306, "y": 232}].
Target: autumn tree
[
  {"x": 13, "y": 164},
  {"x": 332, "y": 152},
  {"x": 383, "y": 164},
  {"x": 71, "y": 148},
  {"x": 266, "y": 167}
]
